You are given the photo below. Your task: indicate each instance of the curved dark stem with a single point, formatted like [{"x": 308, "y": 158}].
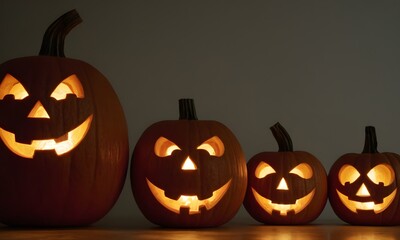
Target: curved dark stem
[
  {"x": 53, "y": 39},
  {"x": 282, "y": 137},
  {"x": 371, "y": 144},
  {"x": 187, "y": 111}
]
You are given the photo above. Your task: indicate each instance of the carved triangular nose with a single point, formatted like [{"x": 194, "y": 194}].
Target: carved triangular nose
[
  {"x": 38, "y": 111},
  {"x": 282, "y": 185},
  {"x": 363, "y": 191},
  {"x": 188, "y": 164}
]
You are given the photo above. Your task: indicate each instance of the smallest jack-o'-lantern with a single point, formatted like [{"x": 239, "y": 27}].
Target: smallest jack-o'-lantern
[
  {"x": 363, "y": 187},
  {"x": 285, "y": 187}
]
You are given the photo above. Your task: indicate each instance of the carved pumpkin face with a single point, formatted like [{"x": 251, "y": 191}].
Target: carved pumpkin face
[
  {"x": 363, "y": 187},
  {"x": 190, "y": 199},
  {"x": 188, "y": 173},
  {"x": 285, "y": 187},
  {"x": 285, "y": 199},
  {"x": 13, "y": 92},
  {"x": 64, "y": 144}
]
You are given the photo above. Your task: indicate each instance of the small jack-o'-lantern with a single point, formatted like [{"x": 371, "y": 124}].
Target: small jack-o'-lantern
[
  {"x": 64, "y": 144},
  {"x": 285, "y": 187},
  {"x": 188, "y": 172},
  {"x": 363, "y": 187}
]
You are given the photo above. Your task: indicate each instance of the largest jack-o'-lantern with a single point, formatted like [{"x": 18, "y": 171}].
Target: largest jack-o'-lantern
[
  {"x": 363, "y": 187},
  {"x": 188, "y": 172},
  {"x": 64, "y": 144},
  {"x": 285, "y": 187}
]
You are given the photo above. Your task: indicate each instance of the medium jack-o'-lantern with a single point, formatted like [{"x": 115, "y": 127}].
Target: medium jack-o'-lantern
[
  {"x": 285, "y": 187},
  {"x": 188, "y": 172},
  {"x": 363, "y": 187},
  {"x": 64, "y": 144}
]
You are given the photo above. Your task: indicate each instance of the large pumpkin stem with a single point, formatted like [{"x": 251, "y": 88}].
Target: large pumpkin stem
[
  {"x": 53, "y": 39},
  {"x": 282, "y": 137},
  {"x": 187, "y": 111},
  {"x": 371, "y": 144}
]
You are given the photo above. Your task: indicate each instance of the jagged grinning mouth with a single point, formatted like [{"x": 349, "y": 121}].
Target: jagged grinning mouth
[
  {"x": 61, "y": 145},
  {"x": 185, "y": 201},
  {"x": 377, "y": 208},
  {"x": 283, "y": 209}
]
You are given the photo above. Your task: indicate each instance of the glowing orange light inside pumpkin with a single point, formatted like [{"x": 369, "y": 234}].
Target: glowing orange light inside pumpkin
[
  {"x": 356, "y": 205},
  {"x": 11, "y": 86},
  {"x": 70, "y": 85},
  {"x": 283, "y": 209},
  {"x": 164, "y": 147},
  {"x": 62, "y": 144},
  {"x": 263, "y": 169},
  {"x": 348, "y": 174},
  {"x": 382, "y": 173},
  {"x": 188, "y": 164},
  {"x": 38, "y": 111},
  {"x": 282, "y": 185},
  {"x": 185, "y": 201},
  {"x": 363, "y": 191},
  {"x": 303, "y": 170},
  {"x": 213, "y": 146}
]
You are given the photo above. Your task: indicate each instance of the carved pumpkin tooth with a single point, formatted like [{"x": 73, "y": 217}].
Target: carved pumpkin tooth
[
  {"x": 62, "y": 138},
  {"x": 191, "y": 202}
]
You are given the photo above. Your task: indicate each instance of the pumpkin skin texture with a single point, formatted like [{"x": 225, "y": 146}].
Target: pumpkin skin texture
[
  {"x": 207, "y": 174},
  {"x": 59, "y": 185},
  {"x": 363, "y": 187},
  {"x": 285, "y": 187}
]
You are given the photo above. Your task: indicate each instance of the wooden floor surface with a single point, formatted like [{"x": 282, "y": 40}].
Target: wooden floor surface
[{"x": 228, "y": 232}]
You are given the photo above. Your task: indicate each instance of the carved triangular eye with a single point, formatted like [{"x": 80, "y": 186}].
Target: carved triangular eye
[
  {"x": 70, "y": 85},
  {"x": 11, "y": 86},
  {"x": 213, "y": 146},
  {"x": 164, "y": 147}
]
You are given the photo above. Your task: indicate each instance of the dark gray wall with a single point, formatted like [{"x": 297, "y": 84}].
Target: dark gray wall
[{"x": 324, "y": 69}]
